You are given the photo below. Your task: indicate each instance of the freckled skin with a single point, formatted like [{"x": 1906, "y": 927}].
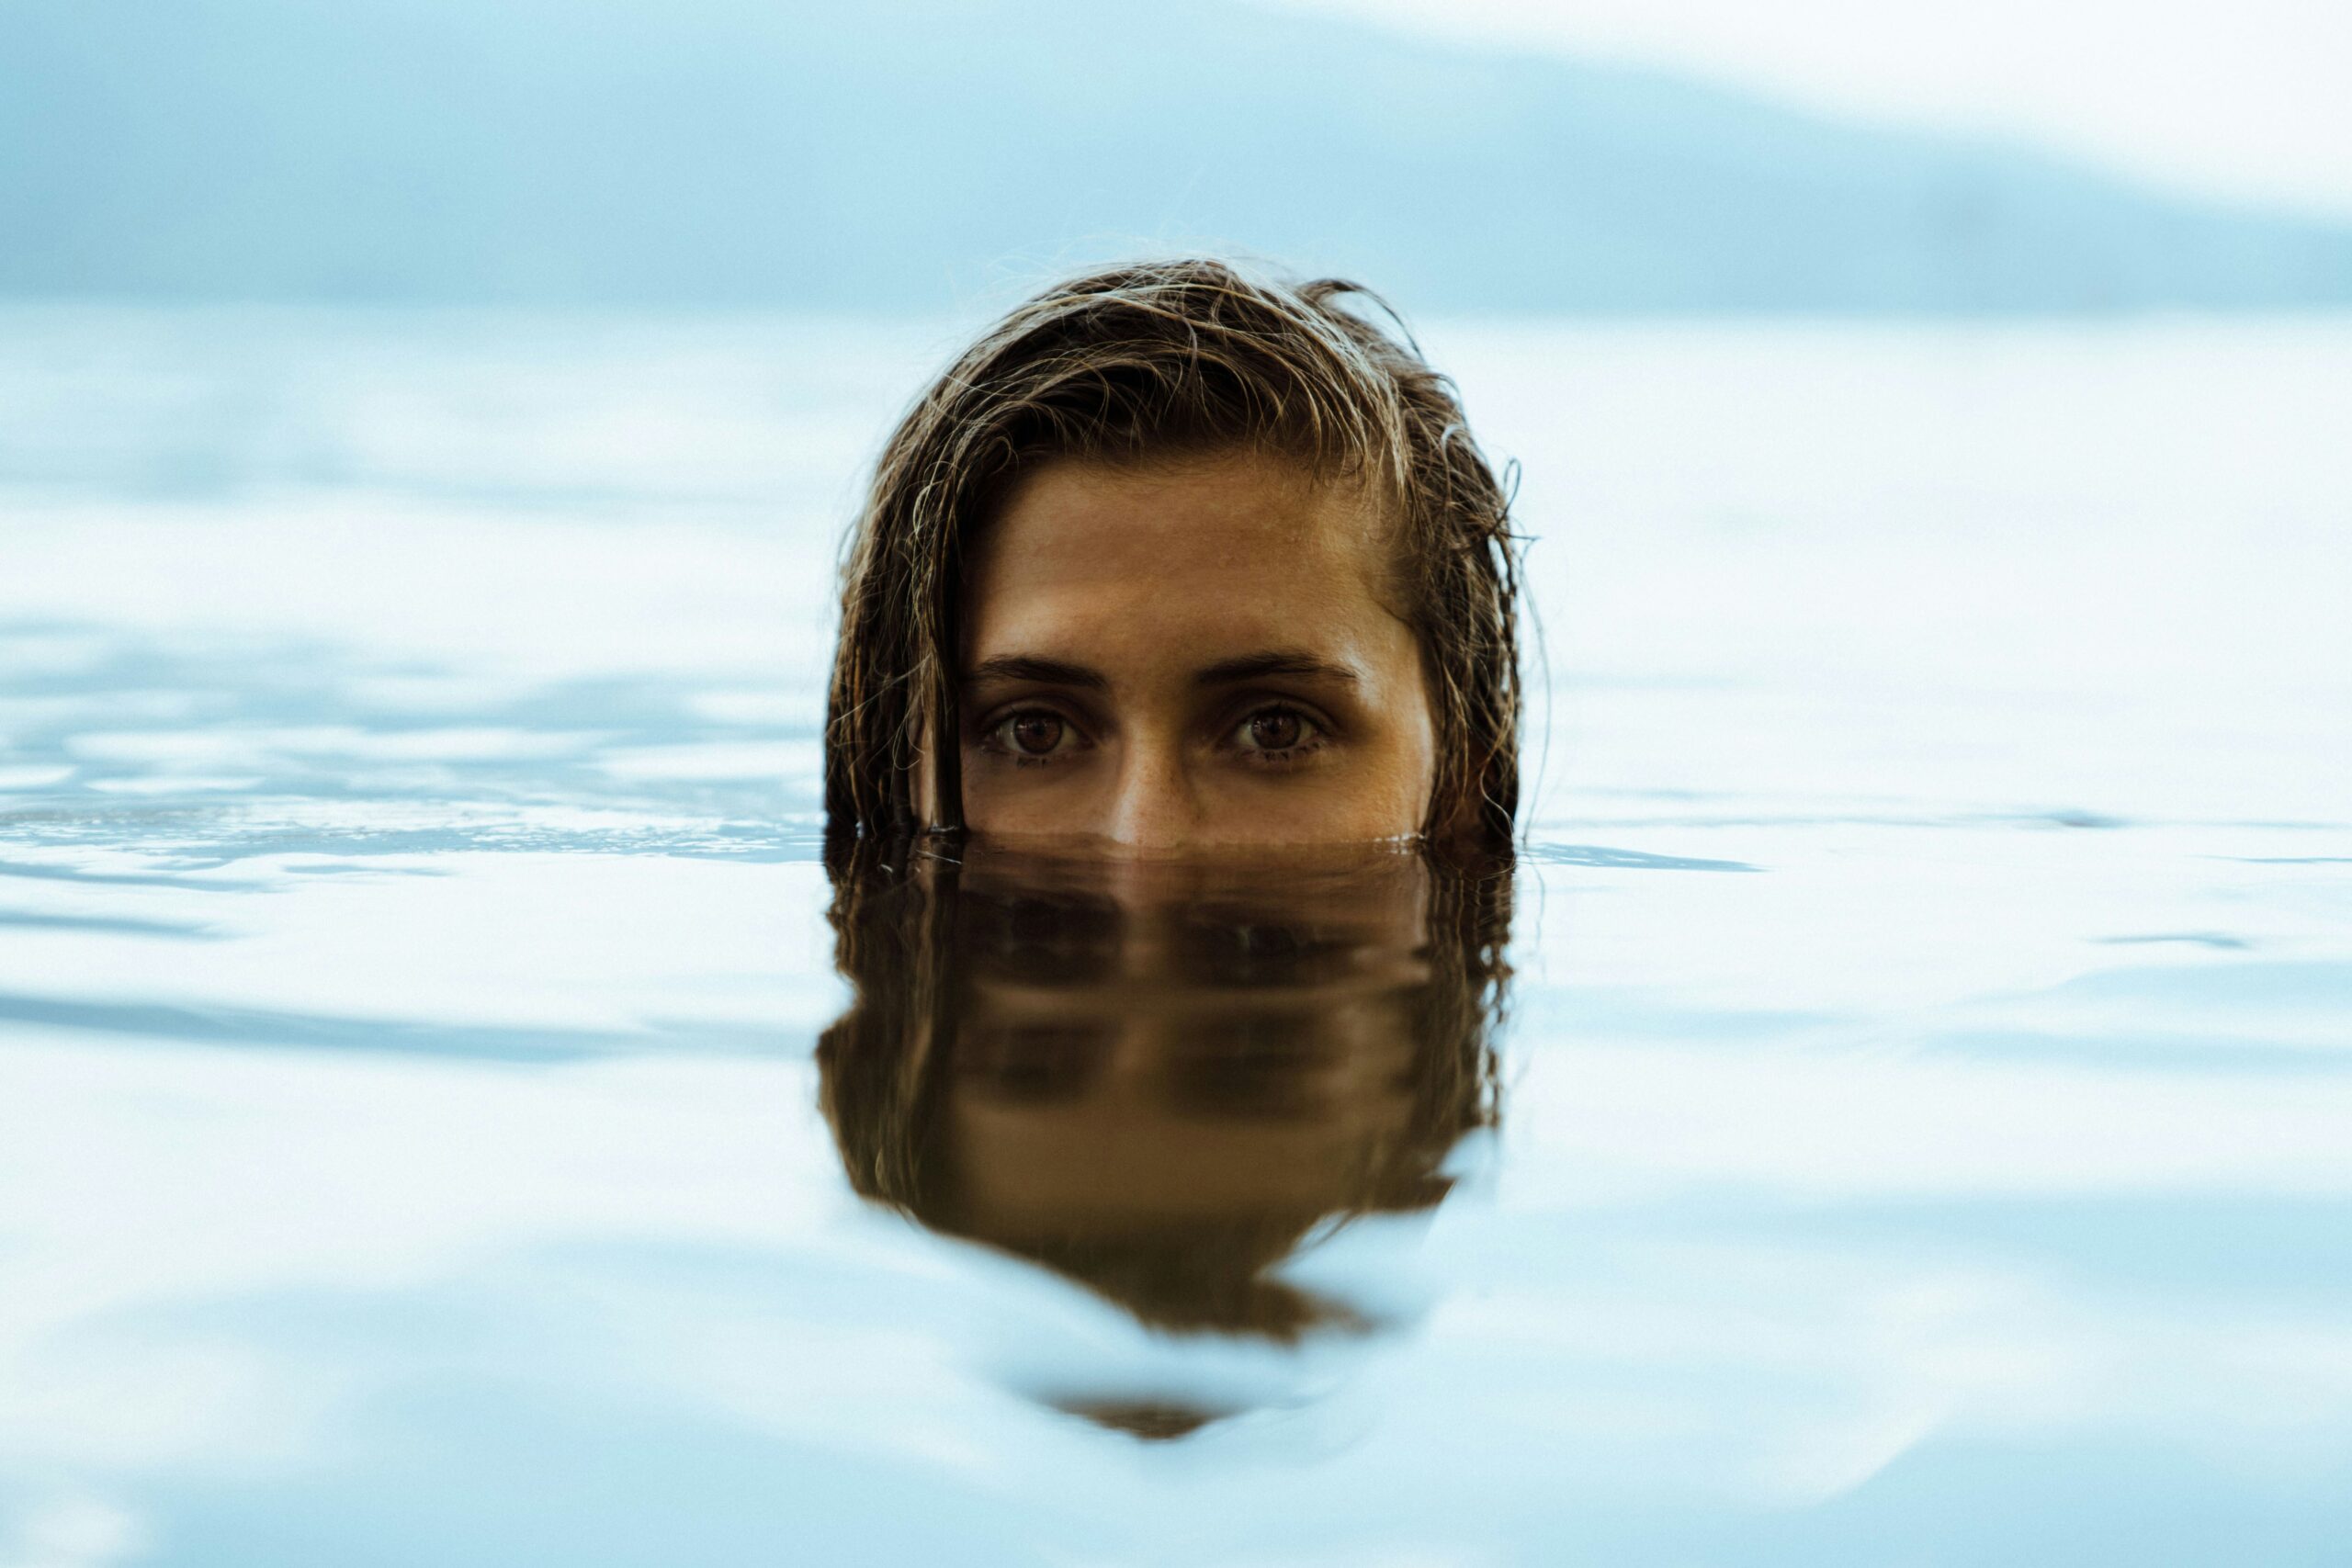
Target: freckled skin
[{"x": 1148, "y": 578}]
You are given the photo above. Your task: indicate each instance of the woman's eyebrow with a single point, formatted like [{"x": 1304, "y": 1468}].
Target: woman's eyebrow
[
  {"x": 1041, "y": 672},
  {"x": 1279, "y": 662}
]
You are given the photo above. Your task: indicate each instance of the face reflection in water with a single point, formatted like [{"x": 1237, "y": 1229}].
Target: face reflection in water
[{"x": 1158, "y": 1079}]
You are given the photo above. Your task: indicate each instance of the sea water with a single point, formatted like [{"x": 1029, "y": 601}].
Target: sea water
[{"x": 1898, "y": 1108}]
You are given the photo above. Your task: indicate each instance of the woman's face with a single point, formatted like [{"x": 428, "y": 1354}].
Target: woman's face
[{"x": 1199, "y": 652}]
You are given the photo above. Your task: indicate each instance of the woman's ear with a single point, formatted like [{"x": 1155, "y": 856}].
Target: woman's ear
[
  {"x": 925, "y": 787},
  {"x": 1471, "y": 821},
  {"x": 937, "y": 788}
]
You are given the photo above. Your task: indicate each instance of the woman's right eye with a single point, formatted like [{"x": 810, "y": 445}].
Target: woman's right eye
[{"x": 1034, "y": 735}]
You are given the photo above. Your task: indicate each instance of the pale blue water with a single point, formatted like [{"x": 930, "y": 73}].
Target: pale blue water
[{"x": 1925, "y": 1114}]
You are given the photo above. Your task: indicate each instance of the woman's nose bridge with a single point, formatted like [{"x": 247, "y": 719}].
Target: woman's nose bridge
[{"x": 1155, "y": 801}]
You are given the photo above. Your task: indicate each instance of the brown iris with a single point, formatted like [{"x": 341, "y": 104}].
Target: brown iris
[
  {"x": 1275, "y": 730},
  {"x": 1036, "y": 733}
]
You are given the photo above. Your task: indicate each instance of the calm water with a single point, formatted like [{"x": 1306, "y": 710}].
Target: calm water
[{"x": 1899, "y": 1109}]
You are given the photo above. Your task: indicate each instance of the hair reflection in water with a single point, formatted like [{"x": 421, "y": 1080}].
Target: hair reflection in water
[{"x": 1159, "y": 1079}]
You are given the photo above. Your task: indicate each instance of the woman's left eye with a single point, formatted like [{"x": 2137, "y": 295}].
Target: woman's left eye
[
  {"x": 1035, "y": 735},
  {"x": 1275, "y": 729}
]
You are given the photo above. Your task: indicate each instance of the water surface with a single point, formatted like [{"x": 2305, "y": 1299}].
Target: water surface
[{"x": 1895, "y": 1107}]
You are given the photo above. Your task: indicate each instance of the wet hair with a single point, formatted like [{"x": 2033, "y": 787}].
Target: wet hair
[
  {"x": 908, "y": 936},
  {"x": 1148, "y": 362}
]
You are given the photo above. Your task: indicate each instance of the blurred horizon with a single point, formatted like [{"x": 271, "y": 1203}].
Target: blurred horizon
[
  {"x": 724, "y": 152},
  {"x": 428, "y": 431},
  {"x": 2236, "y": 100}
]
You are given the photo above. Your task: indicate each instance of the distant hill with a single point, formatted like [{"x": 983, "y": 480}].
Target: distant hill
[{"x": 904, "y": 155}]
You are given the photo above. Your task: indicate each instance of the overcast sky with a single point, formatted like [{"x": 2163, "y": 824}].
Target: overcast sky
[{"x": 2248, "y": 98}]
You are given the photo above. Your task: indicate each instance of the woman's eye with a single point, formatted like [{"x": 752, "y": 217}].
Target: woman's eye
[
  {"x": 1033, "y": 732},
  {"x": 1276, "y": 729}
]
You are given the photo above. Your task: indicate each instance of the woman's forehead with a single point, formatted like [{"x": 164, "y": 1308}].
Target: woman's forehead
[{"x": 1228, "y": 521}]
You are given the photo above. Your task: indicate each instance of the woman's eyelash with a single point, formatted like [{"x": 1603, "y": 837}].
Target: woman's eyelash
[
  {"x": 1031, "y": 737},
  {"x": 1271, "y": 735},
  {"x": 1278, "y": 733}
]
